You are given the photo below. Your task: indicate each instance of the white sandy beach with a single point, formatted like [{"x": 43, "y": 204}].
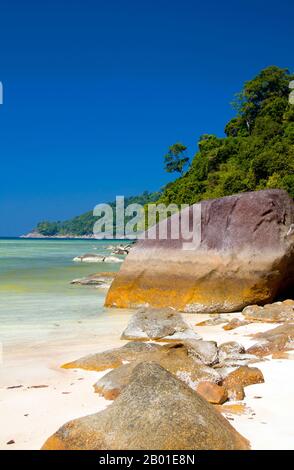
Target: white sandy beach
[{"x": 30, "y": 415}]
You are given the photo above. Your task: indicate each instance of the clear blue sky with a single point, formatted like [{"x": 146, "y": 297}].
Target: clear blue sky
[{"x": 95, "y": 91}]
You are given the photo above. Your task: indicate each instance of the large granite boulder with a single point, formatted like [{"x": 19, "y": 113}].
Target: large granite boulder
[
  {"x": 245, "y": 256},
  {"x": 155, "y": 411}
]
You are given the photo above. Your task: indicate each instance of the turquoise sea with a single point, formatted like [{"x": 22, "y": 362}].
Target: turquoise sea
[{"x": 36, "y": 297}]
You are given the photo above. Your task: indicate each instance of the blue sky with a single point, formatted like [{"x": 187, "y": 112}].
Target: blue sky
[{"x": 95, "y": 92}]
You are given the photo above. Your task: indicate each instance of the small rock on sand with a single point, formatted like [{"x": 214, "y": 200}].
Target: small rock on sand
[
  {"x": 212, "y": 392},
  {"x": 158, "y": 324},
  {"x": 243, "y": 376},
  {"x": 271, "y": 313},
  {"x": 214, "y": 320},
  {"x": 235, "y": 323},
  {"x": 273, "y": 341}
]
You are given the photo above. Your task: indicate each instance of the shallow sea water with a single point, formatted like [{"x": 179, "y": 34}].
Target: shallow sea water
[{"x": 37, "y": 301}]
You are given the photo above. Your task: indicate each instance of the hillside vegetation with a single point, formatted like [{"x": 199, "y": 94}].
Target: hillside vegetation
[{"x": 256, "y": 153}]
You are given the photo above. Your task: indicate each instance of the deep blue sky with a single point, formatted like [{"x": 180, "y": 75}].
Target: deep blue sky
[{"x": 95, "y": 91}]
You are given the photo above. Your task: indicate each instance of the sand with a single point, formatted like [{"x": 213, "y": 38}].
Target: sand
[{"x": 30, "y": 415}]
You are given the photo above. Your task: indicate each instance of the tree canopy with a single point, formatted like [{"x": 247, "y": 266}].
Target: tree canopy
[{"x": 257, "y": 151}]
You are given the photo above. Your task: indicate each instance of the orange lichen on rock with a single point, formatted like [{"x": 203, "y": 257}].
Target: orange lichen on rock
[
  {"x": 213, "y": 393},
  {"x": 245, "y": 256},
  {"x": 244, "y": 376},
  {"x": 235, "y": 408}
]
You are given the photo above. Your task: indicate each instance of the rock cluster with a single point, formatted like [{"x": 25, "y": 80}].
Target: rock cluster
[
  {"x": 191, "y": 360},
  {"x": 173, "y": 357},
  {"x": 163, "y": 393},
  {"x": 154, "y": 411},
  {"x": 166, "y": 383}
]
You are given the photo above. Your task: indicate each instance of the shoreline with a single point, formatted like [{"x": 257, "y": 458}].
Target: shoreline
[
  {"x": 31, "y": 415},
  {"x": 39, "y": 236}
]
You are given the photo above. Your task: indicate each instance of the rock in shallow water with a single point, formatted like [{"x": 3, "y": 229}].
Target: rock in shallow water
[
  {"x": 155, "y": 411},
  {"x": 95, "y": 279},
  {"x": 245, "y": 256},
  {"x": 93, "y": 258}
]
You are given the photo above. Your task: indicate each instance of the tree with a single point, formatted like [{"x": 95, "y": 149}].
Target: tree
[
  {"x": 176, "y": 159},
  {"x": 265, "y": 95}
]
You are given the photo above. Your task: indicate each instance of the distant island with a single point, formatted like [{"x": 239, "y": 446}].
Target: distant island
[
  {"x": 256, "y": 153},
  {"x": 81, "y": 226}
]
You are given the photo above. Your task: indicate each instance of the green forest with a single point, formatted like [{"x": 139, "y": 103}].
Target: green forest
[{"x": 257, "y": 152}]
